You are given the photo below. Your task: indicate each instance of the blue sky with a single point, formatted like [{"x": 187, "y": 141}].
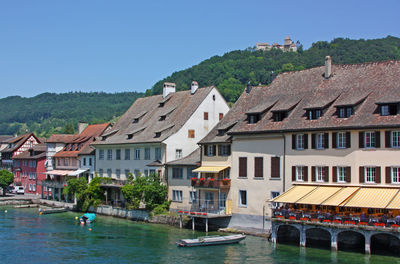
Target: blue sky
[{"x": 113, "y": 46}]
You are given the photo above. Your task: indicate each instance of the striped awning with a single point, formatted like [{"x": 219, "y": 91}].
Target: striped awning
[
  {"x": 372, "y": 197},
  {"x": 339, "y": 197},
  {"x": 60, "y": 172},
  {"x": 208, "y": 169},
  {"x": 319, "y": 195},
  {"x": 294, "y": 194},
  {"x": 395, "y": 202}
]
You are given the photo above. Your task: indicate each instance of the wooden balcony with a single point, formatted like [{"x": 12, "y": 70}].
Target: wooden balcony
[{"x": 211, "y": 183}]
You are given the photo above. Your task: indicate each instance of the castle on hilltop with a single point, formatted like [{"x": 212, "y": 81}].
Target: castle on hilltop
[{"x": 288, "y": 45}]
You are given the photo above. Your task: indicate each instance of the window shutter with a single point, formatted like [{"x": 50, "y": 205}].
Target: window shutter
[
  {"x": 293, "y": 173},
  {"x": 348, "y": 140},
  {"x": 258, "y": 167},
  {"x": 334, "y": 139},
  {"x": 377, "y": 139},
  {"x": 242, "y": 167},
  {"x": 361, "y": 140},
  {"x": 305, "y": 141},
  {"x": 387, "y": 139},
  {"x": 334, "y": 174},
  {"x": 326, "y": 140},
  {"x": 361, "y": 175},
  {"x": 348, "y": 174},
  {"x": 326, "y": 174},
  {"x": 219, "y": 150},
  {"x": 229, "y": 149},
  {"x": 313, "y": 141},
  {"x": 293, "y": 141},
  {"x": 305, "y": 173},
  {"x": 378, "y": 174},
  {"x": 313, "y": 173},
  {"x": 275, "y": 167},
  {"x": 214, "y": 150},
  {"x": 388, "y": 172},
  {"x": 205, "y": 150}
]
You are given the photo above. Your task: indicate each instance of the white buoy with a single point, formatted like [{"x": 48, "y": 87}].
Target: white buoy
[{"x": 5, "y": 211}]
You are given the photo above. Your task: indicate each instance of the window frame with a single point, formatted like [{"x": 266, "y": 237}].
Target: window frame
[
  {"x": 319, "y": 173},
  {"x": 118, "y": 154},
  {"x": 395, "y": 170},
  {"x": 300, "y": 173},
  {"x": 109, "y": 154},
  {"x": 392, "y": 137},
  {"x": 101, "y": 154},
  {"x": 127, "y": 154},
  {"x": 300, "y": 141},
  {"x": 341, "y": 174},
  {"x": 341, "y": 140},
  {"x": 147, "y": 155},
  {"x": 177, "y": 173},
  {"x": 369, "y": 139},
  {"x": 177, "y": 196},
  {"x": 192, "y": 196},
  {"x": 178, "y": 153},
  {"x": 240, "y": 202},
  {"x": 137, "y": 154},
  {"x": 320, "y": 141},
  {"x": 370, "y": 172}
]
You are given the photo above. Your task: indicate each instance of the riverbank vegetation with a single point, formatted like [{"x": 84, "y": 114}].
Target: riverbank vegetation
[
  {"x": 87, "y": 195},
  {"x": 146, "y": 192},
  {"x": 6, "y": 178}
]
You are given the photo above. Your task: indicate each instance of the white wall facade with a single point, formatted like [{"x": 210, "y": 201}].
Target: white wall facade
[
  {"x": 258, "y": 189},
  {"x": 131, "y": 164},
  {"x": 184, "y": 185},
  {"x": 214, "y": 104},
  {"x": 51, "y": 150}
]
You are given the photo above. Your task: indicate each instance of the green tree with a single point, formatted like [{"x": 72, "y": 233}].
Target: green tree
[
  {"x": 69, "y": 129},
  {"x": 146, "y": 189},
  {"x": 6, "y": 178}
]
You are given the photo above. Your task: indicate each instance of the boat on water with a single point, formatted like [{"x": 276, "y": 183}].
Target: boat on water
[
  {"x": 87, "y": 218},
  {"x": 211, "y": 240}
]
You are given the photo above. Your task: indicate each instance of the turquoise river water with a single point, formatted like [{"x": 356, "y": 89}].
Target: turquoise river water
[{"x": 27, "y": 237}]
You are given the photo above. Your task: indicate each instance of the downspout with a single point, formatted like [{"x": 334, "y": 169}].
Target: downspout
[{"x": 284, "y": 163}]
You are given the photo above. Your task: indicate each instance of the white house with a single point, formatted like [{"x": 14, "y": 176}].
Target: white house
[{"x": 158, "y": 129}]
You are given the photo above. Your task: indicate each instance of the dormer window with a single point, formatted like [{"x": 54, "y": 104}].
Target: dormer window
[
  {"x": 163, "y": 117},
  {"x": 314, "y": 114},
  {"x": 388, "y": 109},
  {"x": 136, "y": 120},
  {"x": 253, "y": 118},
  {"x": 345, "y": 111},
  {"x": 161, "y": 105},
  {"x": 158, "y": 134},
  {"x": 279, "y": 116}
]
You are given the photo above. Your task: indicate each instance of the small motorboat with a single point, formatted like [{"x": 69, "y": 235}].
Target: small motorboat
[
  {"x": 210, "y": 240},
  {"x": 87, "y": 218}
]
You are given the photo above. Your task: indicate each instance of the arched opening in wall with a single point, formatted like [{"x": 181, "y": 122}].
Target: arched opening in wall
[
  {"x": 351, "y": 241},
  {"x": 318, "y": 237},
  {"x": 385, "y": 244},
  {"x": 288, "y": 234}
]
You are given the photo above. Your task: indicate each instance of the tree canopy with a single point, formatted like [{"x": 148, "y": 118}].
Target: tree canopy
[
  {"x": 6, "y": 178},
  {"x": 232, "y": 71}
]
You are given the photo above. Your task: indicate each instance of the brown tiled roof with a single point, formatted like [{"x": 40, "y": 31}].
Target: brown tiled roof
[
  {"x": 60, "y": 138},
  {"x": 183, "y": 104},
  {"x": 363, "y": 85},
  {"x": 18, "y": 142},
  {"x": 39, "y": 151},
  {"x": 4, "y": 138},
  {"x": 84, "y": 139},
  {"x": 193, "y": 159}
]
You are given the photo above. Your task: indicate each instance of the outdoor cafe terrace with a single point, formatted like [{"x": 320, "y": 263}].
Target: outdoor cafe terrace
[{"x": 350, "y": 205}]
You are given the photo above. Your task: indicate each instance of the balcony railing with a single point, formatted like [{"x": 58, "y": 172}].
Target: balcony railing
[
  {"x": 211, "y": 183},
  {"x": 205, "y": 207}
]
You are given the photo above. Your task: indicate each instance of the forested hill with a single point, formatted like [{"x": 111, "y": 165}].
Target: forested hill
[
  {"x": 50, "y": 113},
  {"x": 232, "y": 71}
]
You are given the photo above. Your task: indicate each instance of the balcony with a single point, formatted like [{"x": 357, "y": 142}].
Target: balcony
[{"x": 211, "y": 183}]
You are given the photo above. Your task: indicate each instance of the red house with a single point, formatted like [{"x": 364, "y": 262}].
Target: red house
[{"x": 29, "y": 168}]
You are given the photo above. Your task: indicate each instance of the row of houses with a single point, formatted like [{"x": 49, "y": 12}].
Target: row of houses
[{"x": 333, "y": 125}]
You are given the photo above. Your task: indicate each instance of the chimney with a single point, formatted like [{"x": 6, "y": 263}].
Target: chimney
[
  {"x": 82, "y": 126},
  {"x": 248, "y": 87},
  {"x": 168, "y": 88},
  {"x": 328, "y": 67},
  {"x": 194, "y": 87}
]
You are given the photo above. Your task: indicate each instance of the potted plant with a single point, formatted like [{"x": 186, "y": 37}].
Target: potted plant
[
  {"x": 226, "y": 181},
  {"x": 194, "y": 180}
]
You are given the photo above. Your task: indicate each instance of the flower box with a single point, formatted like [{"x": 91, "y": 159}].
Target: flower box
[
  {"x": 379, "y": 224},
  {"x": 179, "y": 212},
  {"x": 204, "y": 213},
  {"x": 315, "y": 220},
  {"x": 226, "y": 181},
  {"x": 349, "y": 223},
  {"x": 292, "y": 217},
  {"x": 304, "y": 219},
  {"x": 326, "y": 221},
  {"x": 186, "y": 212},
  {"x": 363, "y": 223},
  {"x": 279, "y": 216},
  {"x": 395, "y": 226},
  {"x": 336, "y": 221},
  {"x": 192, "y": 213}
]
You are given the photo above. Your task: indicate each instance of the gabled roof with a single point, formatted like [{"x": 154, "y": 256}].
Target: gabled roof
[
  {"x": 18, "y": 142},
  {"x": 38, "y": 152},
  {"x": 60, "y": 138},
  {"x": 177, "y": 108},
  {"x": 4, "y": 139},
  {"x": 193, "y": 159},
  {"x": 363, "y": 85},
  {"x": 80, "y": 142}
]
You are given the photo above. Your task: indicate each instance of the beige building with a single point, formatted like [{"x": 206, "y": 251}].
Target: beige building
[
  {"x": 288, "y": 45},
  {"x": 332, "y": 125}
]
